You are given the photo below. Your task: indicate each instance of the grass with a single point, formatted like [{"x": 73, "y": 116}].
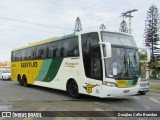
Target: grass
[{"x": 154, "y": 87}]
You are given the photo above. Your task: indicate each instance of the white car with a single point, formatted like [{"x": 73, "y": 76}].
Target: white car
[
  {"x": 144, "y": 86},
  {"x": 5, "y": 74}
]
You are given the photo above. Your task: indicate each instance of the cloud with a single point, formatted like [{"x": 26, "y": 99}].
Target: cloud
[{"x": 61, "y": 16}]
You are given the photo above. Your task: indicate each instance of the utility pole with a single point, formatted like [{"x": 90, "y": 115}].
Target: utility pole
[
  {"x": 129, "y": 15},
  {"x": 78, "y": 25}
]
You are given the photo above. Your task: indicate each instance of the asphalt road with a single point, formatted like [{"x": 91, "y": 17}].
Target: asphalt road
[
  {"x": 18, "y": 98},
  {"x": 154, "y": 81}
]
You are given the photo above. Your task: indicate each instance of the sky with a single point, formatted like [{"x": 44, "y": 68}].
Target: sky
[{"x": 26, "y": 21}]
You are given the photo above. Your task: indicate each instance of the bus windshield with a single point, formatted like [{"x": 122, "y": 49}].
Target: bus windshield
[
  {"x": 118, "y": 39},
  {"x": 124, "y": 63}
]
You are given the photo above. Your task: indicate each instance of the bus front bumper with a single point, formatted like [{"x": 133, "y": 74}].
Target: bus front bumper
[{"x": 118, "y": 92}]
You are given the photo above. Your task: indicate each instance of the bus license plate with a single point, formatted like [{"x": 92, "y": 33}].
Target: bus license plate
[{"x": 126, "y": 91}]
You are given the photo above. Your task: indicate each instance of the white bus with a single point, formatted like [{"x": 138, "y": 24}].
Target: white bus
[{"x": 97, "y": 63}]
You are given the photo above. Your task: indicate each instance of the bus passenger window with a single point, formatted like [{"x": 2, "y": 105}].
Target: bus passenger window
[
  {"x": 53, "y": 49},
  {"x": 70, "y": 47}
]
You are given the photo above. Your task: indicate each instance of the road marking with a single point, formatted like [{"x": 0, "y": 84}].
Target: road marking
[
  {"x": 154, "y": 100},
  {"x": 41, "y": 108},
  {"x": 130, "y": 109},
  {"x": 72, "y": 118},
  {"x": 113, "y": 118},
  {"x": 98, "y": 109},
  {"x": 58, "y": 118},
  {"x": 146, "y": 107},
  {"x": 109, "y": 109},
  {"x": 135, "y": 97},
  {"x": 28, "y": 118}
]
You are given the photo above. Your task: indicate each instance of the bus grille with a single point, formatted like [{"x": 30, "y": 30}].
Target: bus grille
[{"x": 143, "y": 84}]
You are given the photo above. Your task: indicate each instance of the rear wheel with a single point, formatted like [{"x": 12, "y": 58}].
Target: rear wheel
[
  {"x": 24, "y": 80},
  {"x": 20, "y": 81},
  {"x": 72, "y": 89}
]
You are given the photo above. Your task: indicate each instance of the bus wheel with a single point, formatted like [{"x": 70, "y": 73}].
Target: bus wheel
[
  {"x": 24, "y": 80},
  {"x": 72, "y": 89},
  {"x": 142, "y": 93},
  {"x": 20, "y": 81}
]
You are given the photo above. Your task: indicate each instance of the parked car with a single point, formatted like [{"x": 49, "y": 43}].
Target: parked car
[
  {"x": 5, "y": 74},
  {"x": 144, "y": 86}
]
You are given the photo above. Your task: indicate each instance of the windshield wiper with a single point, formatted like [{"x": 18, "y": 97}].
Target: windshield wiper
[
  {"x": 134, "y": 72},
  {"x": 124, "y": 71}
]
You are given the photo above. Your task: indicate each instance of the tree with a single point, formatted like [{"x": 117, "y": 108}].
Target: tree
[
  {"x": 102, "y": 26},
  {"x": 123, "y": 27},
  {"x": 152, "y": 25},
  {"x": 78, "y": 25}
]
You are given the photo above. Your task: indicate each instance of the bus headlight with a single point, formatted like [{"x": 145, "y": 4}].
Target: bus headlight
[{"x": 111, "y": 84}]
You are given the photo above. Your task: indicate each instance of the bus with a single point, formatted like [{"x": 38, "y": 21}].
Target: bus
[{"x": 99, "y": 63}]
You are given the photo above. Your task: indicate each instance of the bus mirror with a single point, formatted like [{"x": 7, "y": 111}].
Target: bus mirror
[
  {"x": 107, "y": 50},
  {"x": 148, "y": 53}
]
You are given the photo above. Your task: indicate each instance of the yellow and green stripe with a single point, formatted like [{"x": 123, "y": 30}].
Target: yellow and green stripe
[
  {"x": 49, "y": 69},
  {"x": 127, "y": 83}
]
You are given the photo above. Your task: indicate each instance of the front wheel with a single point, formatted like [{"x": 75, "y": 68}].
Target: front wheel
[
  {"x": 142, "y": 93},
  {"x": 72, "y": 89}
]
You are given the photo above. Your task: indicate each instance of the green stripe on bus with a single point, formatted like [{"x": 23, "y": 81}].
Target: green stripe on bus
[
  {"x": 50, "y": 70},
  {"x": 131, "y": 82},
  {"x": 44, "y": 70}
]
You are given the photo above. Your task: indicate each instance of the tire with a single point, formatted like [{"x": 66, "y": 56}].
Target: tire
[
  {"x": 24, "y": 80},
  {"x": 72, "y": 89},
  {"x": 142, "y": 93},
  {"x": 20, "y": 81}
]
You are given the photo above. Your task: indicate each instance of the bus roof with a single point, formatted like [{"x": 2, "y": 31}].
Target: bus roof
[{"x": 56, "y": 38}]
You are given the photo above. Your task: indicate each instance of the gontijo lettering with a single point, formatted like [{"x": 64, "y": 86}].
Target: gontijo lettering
[{"x": 28, "y": 64}]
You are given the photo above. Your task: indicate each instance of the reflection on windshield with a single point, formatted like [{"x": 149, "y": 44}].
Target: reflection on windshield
[
  {"x": 124, "y": 64},
  {"x": 118, "y": 39}
]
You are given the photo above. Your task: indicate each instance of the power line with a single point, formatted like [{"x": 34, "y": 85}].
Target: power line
[
  {"x": 10, "y": 19},
  {"x": 73, "y": 5},
  {"x": 95, "y": 6},
  {"x": 26, "y": 28}
]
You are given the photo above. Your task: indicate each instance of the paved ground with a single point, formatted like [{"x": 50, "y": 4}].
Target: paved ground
[{"x": 18, "y": 98}]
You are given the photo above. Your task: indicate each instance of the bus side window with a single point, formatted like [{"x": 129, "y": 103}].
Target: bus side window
[
  {"x": 73, "y": 49},
  {"x": 18, "y": 55},
  {"x": 23, "y": 54},
  {"x": 96, "y": 64},
  {"x": 41, "y": 51},
  {"x": 32, "y": 53},
  {"x": 70, "y": 47},
  {"x": 53, "y": 49},
  {"x": 90, "y": 55},
  {"x": 13, "y": 56}
]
